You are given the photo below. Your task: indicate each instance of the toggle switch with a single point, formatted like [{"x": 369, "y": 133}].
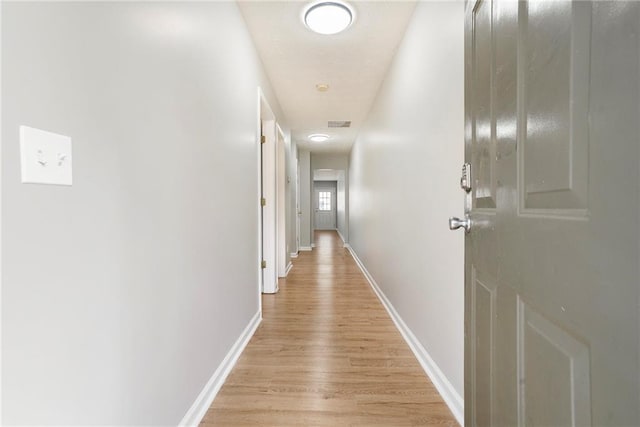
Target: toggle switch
[{"x": 45, "y": 157}]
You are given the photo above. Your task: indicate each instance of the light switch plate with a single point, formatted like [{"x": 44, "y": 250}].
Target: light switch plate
[{"x": 45, "y": 157}]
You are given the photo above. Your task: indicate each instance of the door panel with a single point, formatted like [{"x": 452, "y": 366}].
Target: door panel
[
  {"x": 555, "y": 89},
  {"x": 553, "y": 137},
  {"x": 550, "y": 358}
]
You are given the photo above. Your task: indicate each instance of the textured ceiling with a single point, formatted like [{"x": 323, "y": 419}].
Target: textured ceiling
[{"x": 352, "y": 63}]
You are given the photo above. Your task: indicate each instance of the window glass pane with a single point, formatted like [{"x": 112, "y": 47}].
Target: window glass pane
[{"x": 324, "y": 200}]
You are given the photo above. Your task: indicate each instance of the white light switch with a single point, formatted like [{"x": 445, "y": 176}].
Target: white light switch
[{"x": 45, "y": 157}]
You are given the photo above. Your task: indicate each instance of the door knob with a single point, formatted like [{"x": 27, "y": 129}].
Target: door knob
[{"x": 455, "y": 223}]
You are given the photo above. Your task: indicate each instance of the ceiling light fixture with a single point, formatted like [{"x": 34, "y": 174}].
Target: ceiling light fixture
[
  {"x": 322, "y": 87},
  {"x": 328, "y": 17},
  {"x": 318, "y": 137}
]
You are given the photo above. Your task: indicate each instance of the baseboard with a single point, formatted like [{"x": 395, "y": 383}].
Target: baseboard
[
  {"x": 289, "y": 267},
  {"x": 344, "y": 242},
  {"x": 306, "y": 248},
  {"x": 452, "y": 398},
  {"x": 196, "y": 413},
  {"x": 294, "y": 255}
]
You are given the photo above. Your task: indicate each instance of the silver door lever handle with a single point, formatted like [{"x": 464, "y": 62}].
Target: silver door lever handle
[{"x": 455, "y": 223}]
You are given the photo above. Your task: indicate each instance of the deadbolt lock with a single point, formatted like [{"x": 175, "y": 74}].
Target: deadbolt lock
[{"x": 465, "y": 180}]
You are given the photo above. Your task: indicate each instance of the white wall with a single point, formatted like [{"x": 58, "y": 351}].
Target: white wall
[
  {"x": 404, "y": 183},
  {"x": 338, "y": 162},
  {"x": 326, "y": 174},
  {"x": 122, "y": 294},
  {"x": 304, "y": 159}
]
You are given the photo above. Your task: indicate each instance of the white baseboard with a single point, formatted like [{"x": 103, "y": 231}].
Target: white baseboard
[
  {"x": 306, "y": 248},
  {"x": 452, "y": 398},
  {"x": 294, "y": 255},
  {"x": 198, "y": 410},
  {"x": 289, "y": 267}
]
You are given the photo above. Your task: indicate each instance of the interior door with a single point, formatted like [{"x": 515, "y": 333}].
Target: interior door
[
  {"x": 552, "y": 254},
  {"x": 298, "y": 210},
  {"x": 268, "y": 210},
  {"x": 325, "y": 205}
]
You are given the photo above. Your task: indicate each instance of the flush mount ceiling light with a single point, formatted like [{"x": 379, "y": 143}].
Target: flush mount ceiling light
[
  {"x": 328, "y": 17},
  {"x": 322, "y": 87},
  {"x": 318, "y": 137}
]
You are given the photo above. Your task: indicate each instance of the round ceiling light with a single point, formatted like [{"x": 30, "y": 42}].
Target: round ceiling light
[
  {"x": 328, "y": 17},
  {"x": 318, "y": 137}
]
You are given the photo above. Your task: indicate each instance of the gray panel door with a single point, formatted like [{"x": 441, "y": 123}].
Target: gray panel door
[
  {"x": 552, "y": 258},
  {"x": 325, "y": 205}
]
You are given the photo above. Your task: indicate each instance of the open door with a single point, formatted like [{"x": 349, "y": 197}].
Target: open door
[
  {"x": 298, "y": 207},
  {"x": 268, "y": 200},
  {"x": 282, "y": 256},
  {"x": 553, "y": 206}
]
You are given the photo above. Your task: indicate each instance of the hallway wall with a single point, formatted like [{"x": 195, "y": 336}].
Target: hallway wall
[
  {"x": 337, "y": 161},
  {"x": 122, "y": 294},
  {"x": 304, "y": 159},
  {"x": 404, "y": 184}
]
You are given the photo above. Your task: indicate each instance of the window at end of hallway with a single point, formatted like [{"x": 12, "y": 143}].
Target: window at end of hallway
[{"x": 324, "y": 200}]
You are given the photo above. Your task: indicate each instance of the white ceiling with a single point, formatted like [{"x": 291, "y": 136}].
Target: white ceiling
[{"x": 352, "y": 63}]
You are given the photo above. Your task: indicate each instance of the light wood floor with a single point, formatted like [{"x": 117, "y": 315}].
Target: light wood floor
[{"x": 327, "y": 354}]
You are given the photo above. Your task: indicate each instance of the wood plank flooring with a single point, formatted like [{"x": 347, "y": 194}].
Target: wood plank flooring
[{"x": 327, "y": 354}]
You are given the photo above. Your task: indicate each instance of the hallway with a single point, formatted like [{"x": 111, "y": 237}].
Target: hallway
[
  {"x": 327, "y": 353},
  {"x": 131, "y": 278}
]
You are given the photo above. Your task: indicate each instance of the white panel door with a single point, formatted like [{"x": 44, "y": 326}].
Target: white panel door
[
  {"x": 552, "y": 94},
  {"x": 268, "y": 188}
]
